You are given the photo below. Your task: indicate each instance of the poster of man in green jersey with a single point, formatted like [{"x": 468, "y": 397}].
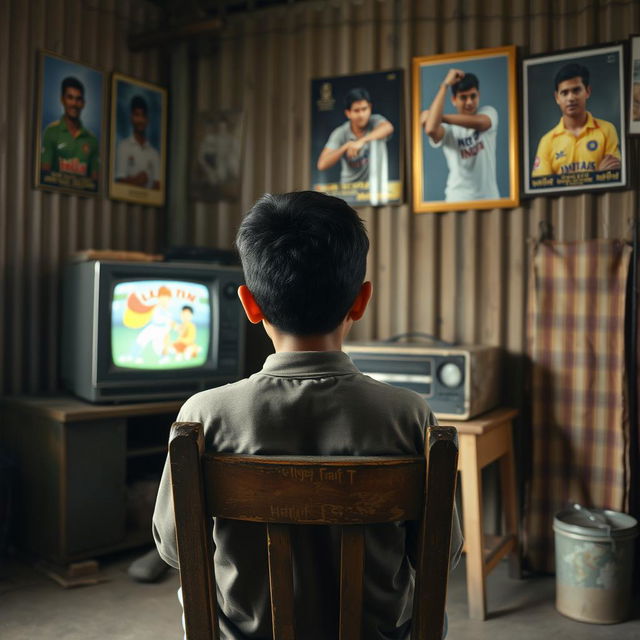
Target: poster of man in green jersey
[{"x": 69, "y": 127}]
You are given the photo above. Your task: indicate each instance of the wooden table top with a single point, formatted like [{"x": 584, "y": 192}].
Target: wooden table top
[
  {"x": 483, "y": 423},
  {"x": 67, "y": 408}
]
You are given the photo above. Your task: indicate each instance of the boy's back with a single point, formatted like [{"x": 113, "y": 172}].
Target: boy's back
[{"x": 309, "y": 399}]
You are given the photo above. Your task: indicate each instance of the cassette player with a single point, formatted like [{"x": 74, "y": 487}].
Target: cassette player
[{"x": 458, "y": 382}]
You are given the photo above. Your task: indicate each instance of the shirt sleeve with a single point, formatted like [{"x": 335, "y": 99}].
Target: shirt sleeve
[
  {"x": 336, "y": 139},
  {"x": 164, "y": 528},
  {"x": 163, "y": 522},
  {"x": 447, "y": 132},
  {"x": 377, "y": 119},
  {"x": 492, "y": 114},
  {"x": 456, "y": 531},
  {"x": 612, "y": 144},
  {"x": 542, "y": 162}
]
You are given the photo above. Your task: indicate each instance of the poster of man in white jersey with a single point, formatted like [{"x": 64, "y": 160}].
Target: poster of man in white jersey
[
  {"x": 138, "y": 141},
  {"x": 574, "y": 125},
  {"x": 355, "y": 137},
  {"x": 465, "y": 131}
]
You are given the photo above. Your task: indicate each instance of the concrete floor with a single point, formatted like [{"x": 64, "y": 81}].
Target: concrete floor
[{"x": 32, "y": 607}]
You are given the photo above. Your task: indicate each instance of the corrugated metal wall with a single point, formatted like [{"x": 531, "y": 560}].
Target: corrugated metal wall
[
  {"x": 460, "y": 275},
  {"x": 38, "y": 229}
]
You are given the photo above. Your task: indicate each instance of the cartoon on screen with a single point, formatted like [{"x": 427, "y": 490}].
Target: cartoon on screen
[{"x": 160, "y": 324}]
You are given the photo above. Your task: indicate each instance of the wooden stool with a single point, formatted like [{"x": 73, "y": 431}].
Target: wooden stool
[{"x": 482, "y": 441}]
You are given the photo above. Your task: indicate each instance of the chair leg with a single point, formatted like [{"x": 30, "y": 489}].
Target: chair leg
[{"x": 471, "y": 479}]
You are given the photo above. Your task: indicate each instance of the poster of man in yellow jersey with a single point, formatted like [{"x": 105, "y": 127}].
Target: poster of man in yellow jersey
[{"x": 574, "y": 125}]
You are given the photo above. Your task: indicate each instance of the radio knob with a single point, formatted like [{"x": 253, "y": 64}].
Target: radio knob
[
  {"x": 450, "y": 375},
  {"x": 230, "y": 290}
]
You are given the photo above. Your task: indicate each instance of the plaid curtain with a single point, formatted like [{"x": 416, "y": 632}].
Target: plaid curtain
[{"x": 580, "y": 422}]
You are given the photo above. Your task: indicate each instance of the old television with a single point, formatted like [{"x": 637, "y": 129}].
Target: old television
[{"x": 134, "y": 331}]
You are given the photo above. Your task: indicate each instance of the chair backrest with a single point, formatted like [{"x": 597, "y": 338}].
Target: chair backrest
[{"x": 285, "y": 491}]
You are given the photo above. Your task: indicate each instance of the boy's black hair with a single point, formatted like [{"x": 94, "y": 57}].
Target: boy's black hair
[
  {"x": 572, "y": 70},
  {"x": 138, "y": 102},
  {"x": 304, "y": 257},
  {"x": 187, "y": 308},
  {"x": 355, "y": 95},
  {"x": 72, "y": 83},
  {"x": 469, "y": 81}
]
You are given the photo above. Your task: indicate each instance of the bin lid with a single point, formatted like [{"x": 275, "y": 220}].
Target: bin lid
[{"x": 603, "y": 523}]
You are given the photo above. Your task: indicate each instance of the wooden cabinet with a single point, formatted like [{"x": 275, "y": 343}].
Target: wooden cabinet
[{"x": 86, "y": 474}]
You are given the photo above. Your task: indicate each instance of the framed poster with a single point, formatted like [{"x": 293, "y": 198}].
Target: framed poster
[
  {"x": 574, "y": 121},
  {"x": 216, "y": 159},
  {"x": 138, "y": 144},
  {"x": 465, "y": 130},
  {"x": 69, "y": 126},
  {"x": 634, "y": 93},
  {"x": 355, "y": 137}
]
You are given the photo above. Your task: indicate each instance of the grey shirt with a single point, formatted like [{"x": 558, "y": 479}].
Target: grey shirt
[
  {"x": 354, "y": 169},
  {"x": 307, "y": 403}
]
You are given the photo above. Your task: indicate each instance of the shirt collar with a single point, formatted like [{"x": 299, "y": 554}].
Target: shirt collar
[
  {"x": 144, "y": 145},
  {"x": 589, "y": 124},
  {"x": 63, "y": 124},
  {"x": 308, "y": 364}
]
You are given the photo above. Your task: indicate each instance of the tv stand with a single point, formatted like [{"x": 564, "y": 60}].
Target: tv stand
[{"x": 86, "y": 474}]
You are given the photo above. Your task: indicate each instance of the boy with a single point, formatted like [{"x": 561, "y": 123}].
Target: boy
[
  {"x": 185, "y": 346},
  {"x": 467, "y": 138},
  {"x": 304, "y": 259}
]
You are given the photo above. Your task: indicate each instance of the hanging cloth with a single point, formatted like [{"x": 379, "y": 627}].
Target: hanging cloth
[{"x": 579, "y": 408}]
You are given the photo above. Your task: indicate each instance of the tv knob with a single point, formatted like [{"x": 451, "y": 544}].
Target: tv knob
[{"x": 230, "y": 290}]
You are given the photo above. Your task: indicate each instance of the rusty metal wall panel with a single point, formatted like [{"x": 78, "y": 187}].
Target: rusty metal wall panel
[
  {"x": 38, "y": 229},
  {"x": 459, "y": 275}
]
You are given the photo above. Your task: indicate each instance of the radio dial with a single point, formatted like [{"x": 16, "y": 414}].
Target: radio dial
[
  {"x": 230, "y": 290},
  {"x": 450, "y": 375}
]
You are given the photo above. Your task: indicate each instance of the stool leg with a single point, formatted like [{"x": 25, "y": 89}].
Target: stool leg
[
  {"x": 509, "y": 504},
  {"x": 471, "y": 480}
]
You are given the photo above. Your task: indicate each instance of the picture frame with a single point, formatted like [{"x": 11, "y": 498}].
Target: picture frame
[
  {"x": 70, "y": 126},
  {"x": 216, "y": 158},
  {"x": 138, "y": 141},
  {"x": 634, "y": 85},
  {"x": 557, "y": 160},
  {"x": 470, "y": 159},
  {"x": 356, "y": 137}
]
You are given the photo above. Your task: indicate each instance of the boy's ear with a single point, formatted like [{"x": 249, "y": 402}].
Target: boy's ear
[
  {"x": 359, "y": 305},
  {"x": 249, "y": 304}
]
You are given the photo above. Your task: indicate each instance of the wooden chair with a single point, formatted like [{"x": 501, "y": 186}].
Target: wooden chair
[{"x": 287, "y": 491}]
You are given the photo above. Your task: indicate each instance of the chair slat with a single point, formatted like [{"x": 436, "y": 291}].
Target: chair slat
[
  {"x": 351, "y": 582},
  {"x": 281, "y": 581},
  {"x": 316, "y": 490},
  {"x": 435, "y": 535},
  {"x": 195, "y": 548}
]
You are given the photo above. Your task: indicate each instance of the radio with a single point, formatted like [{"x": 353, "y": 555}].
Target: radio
[{"x": 458, "y": 382}]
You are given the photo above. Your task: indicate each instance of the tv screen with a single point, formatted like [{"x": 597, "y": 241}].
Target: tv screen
[
  {"x": 144, "y": 331},
  {"x": 160, "y": 324}
]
